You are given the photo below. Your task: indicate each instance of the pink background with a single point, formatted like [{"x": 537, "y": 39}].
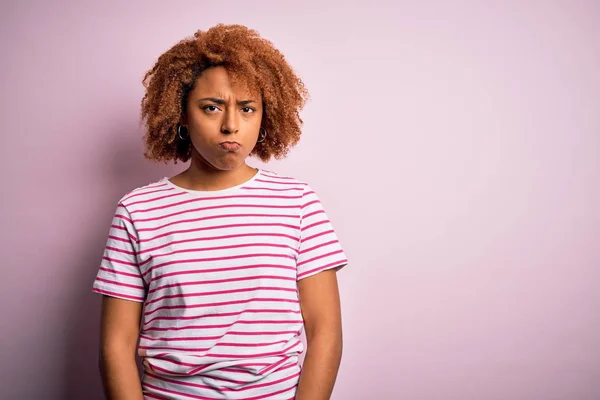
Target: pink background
[{"x": 455, "y": 145}]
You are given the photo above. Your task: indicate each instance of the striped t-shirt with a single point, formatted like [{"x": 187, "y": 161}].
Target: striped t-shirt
[{"x": 217, "y": 272}]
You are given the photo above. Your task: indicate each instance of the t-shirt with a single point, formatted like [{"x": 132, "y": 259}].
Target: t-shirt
[{"x": 217, "y": 272}]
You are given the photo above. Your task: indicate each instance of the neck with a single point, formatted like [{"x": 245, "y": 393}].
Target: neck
[{"x": 202, "y": 176}]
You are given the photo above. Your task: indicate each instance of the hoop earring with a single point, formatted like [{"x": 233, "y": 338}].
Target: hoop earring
[
  {"x": 263, "y": 137},
  {"x": 179, "y": 133}
]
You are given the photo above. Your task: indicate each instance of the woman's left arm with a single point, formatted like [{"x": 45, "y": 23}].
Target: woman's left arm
[{"x": 320, "y": 304}]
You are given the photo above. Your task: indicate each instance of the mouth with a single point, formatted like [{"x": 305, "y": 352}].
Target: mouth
[{"x": 230, "y": 146}]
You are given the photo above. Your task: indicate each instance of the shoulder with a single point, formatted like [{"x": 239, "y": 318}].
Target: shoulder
[
  {"x": 303, "y": 191},
  {"x": 283, "y": 180},
  {"x": 276, "y": 177},
  {"x": 142, "y": 194}
]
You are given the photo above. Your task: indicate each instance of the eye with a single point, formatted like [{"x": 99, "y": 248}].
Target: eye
[
  {"x": 248, "y": 110},
  {"x": 210, "y": 108}
]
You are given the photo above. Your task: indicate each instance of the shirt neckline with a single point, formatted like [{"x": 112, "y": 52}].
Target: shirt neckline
[{"x": 213, "y": 192}]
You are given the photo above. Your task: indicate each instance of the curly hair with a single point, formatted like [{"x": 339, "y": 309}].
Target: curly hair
[{"x": 247, "y": 58}]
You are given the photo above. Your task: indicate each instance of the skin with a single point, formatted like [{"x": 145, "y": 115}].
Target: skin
[
  {"x": 218, "y": 112},
  {"x": 228, "y": 115},
  {"x": 321, "y": 311},
  {"x": 119, "y": 331}
]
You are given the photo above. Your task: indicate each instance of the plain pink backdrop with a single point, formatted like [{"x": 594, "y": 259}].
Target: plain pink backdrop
[{"x": 455, "y": 145}]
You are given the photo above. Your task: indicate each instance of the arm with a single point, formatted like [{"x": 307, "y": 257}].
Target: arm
[
  {"x": 118, "y": 340},
  {"x": 320, "y": 304}
]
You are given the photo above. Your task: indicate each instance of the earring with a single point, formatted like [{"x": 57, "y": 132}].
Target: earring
[
  {"x": 179, "y": 133},
  {"x": 263, "y": 137}
]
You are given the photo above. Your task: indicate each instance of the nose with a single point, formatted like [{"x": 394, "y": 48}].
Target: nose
[{"x": 230, "y": 122}]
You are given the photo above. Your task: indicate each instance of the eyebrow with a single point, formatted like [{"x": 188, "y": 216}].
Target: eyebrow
[{"x": 221, "y": 101}]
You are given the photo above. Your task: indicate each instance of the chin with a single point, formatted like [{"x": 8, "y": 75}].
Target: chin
[
  {"x": 221, "y": 161},
  {"x": 228, "y": 163}
]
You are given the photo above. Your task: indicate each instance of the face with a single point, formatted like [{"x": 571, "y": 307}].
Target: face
[{"x": 223, "y": 121}]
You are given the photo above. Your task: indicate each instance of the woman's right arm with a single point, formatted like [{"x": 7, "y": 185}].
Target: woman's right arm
[{"x": 120, "y": 324}]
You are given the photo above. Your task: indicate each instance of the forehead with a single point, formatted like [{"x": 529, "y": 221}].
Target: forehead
[{"x": 216, "y": 81}]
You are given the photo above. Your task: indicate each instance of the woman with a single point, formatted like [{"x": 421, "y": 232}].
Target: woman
[{"x": 217, "y": 270}]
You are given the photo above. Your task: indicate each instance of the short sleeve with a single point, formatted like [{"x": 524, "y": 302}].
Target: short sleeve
[
  {"x": 119, "y": 274},
  {"x": 319, "y": 248}
]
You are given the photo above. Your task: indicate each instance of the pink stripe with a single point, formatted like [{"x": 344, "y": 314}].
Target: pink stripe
[
  {"x": 211, "y": 259},
  {"x": 275, "y": 353},
  {"x": 123, "y": 217},
  {"x": 278, "y": 183},
  {"x": 131, "y": 253},
  {"x": 273, "y": 366},
  {"x": 191, "y": 338},
  {"x": 216, "y": 337},
  {"x": 177, "y": 362},
  {"x": 310, "y": 203},
  {"x": 172, "y": 348},
  {"x": 249, "y": 387},
  {"x": 221, "y": 216},
  {"x": 225, "y": 269},
  {"x": 202, "y": 338},
  {"x": 319, "y": 257},
  {"x": 220, "y": 379},
  {"x": 142, "y": 263},
  {"x": 190, "y": 396},
  {"x": 205, "y": 366},
  {"x": 168, "y": 196},
  {"x": 225, "y": 303},
  {"x": 308, "y": 250},
  {"x": 115, "y": 294},
  {"x": 196, "y": 385},
  {"x": 215, "y": 227},
  {"x": 114, "y": 271},
  {"x": 237, "y": 371},
  {"x": 118, "y": 238},
  {"x": 233, "y": 246},
  {"x": 114, "y": 260},
  {"x": 201, "y": 239},
  {"x": 141, "y": 191},
  {"x": 272, "y": 189},
  {"x": 310, "y": 214},
  {"x": 236, "y": 333},
  {"x": 181, "y": 328},
  {"x": 277, "y": 176},
  {"x": 120, "y": 284},
  {"x": 316, "y": 235},
  {"x": 221, "y": 315},
  {"x": 118, "y": 227},
  {"x": 202, "y": 367},
  {"x": 129, "y": 235},
  {"x": 158, "y": 190},
  {"x": 336, "y": 264},
  {"x": 325, "y": 221},
  {"x": 249, "y": 365},
  {"x": 207, "y": 349},
  {"x": 153, "y": 396},
  {"x": 203, "y": 199},
  {"x": 218, "y": 292},
  {"x": 239, "y": 356},
  {"x": 211, "y": 282},
  {"x": 196, "y": 210}
]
